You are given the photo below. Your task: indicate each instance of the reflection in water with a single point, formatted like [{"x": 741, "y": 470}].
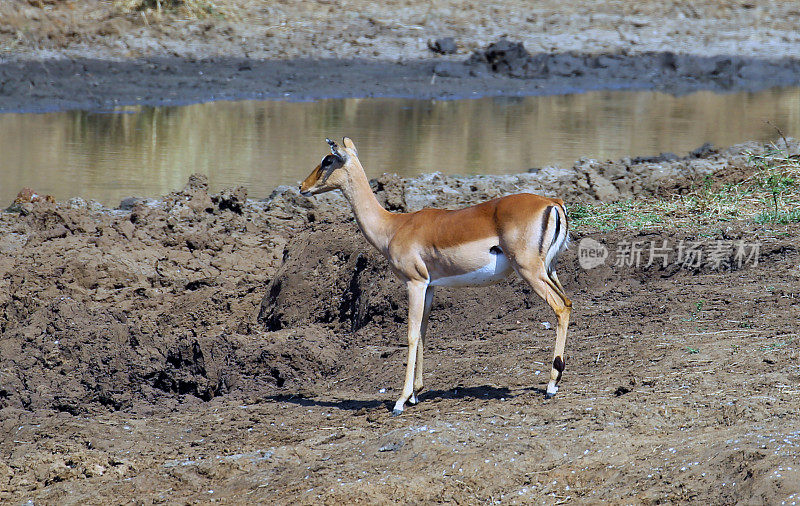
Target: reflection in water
[{"x": 151, "y": 151}]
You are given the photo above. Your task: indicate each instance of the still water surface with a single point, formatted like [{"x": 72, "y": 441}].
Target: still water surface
[{"x": 150, "y": 151}]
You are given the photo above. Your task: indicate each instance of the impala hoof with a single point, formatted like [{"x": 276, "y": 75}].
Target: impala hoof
[
  {"x": 552, "y": 390},
  {"x": 397, "y": 412}
]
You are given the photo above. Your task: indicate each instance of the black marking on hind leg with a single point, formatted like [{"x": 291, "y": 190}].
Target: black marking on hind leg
[
  {"x": 558, "y": 365},
  {"x": 495, "y": 250}
]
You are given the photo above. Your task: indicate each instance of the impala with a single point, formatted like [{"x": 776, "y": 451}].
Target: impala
[{"x": 477, "y": 245}]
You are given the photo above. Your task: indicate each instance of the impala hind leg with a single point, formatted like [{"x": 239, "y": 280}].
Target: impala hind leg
[
  {"x": 418, "y": 383},
  {"x": 547, "y": 286},
  {"x": 416, "y": 310}
]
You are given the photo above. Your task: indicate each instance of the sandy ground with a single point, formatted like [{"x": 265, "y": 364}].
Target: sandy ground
[
  {"x": 396, "y": 29},
  {"x": 206, "y": 348}
]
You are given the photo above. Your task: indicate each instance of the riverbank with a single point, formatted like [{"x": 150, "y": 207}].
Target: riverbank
[
  {"x": 204, "y": 345},
  {"x": 99, "y": 55},
  {"x": 50, "y": 85}
]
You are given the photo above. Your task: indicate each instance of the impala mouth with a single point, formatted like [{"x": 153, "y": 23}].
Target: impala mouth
[{"x": 305, "y": 193}]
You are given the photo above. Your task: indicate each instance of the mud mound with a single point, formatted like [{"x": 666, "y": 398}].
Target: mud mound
[
  {"x": 106, "y": 309},
  {"x": 108, "y": 361},
  {"x": 331, "y": 277}
]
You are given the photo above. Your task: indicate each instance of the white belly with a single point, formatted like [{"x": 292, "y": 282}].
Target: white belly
[{"x": 496, "y": 270}]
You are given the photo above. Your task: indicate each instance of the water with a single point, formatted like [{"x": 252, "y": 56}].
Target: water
[{"x": 150, "y": 151}]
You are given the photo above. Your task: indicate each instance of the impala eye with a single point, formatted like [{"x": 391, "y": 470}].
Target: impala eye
[{"x": 329, "y": 160}]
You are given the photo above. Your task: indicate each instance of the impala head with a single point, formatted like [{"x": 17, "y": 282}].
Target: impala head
[{"x": 331, "y": 173}]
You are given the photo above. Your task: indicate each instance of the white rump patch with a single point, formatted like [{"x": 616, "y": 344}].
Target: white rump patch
[{"x": 496, "y": 270}]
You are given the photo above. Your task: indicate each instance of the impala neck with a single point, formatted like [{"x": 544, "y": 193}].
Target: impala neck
[{"x": 374, "y": 221}]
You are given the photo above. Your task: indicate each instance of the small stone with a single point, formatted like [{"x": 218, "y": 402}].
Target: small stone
[
  {"x": 128, "y": 203},
  {"x": 76, "y": 203},
  {"x": 390, "y": 447},
  {"x": 445, "y": 45}
]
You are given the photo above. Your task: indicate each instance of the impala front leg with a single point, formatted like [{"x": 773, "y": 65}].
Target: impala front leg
[
  {"x": 416, "y": 311},
  {"x": 418, "y": 383}
]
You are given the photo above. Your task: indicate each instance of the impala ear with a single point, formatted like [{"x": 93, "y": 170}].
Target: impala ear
[
  {"x": 333, "y": 146},
  {"x": 348, "y": 143},
  {"x": 336, "y": 150}
]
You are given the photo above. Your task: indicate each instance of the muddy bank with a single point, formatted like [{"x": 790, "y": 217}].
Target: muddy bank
[
  {"x": 159, "y": 299},
  {"x": 97, "y": 54},
  {"x": 101, "y": 84},
  {"x": 206, "y": 346}
]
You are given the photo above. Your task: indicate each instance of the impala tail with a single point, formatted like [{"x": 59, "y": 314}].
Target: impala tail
[{"x": 556, "y": 229}]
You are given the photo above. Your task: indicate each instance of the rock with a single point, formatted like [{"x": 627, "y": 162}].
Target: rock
[
  {"x": 391, "y": 446},
  {"x": 128, "y": 203},
  {"x": 23, "y": 209},
  {"x": 196, "y": 182},
  {"x": 25, "y": 198},
  {"x": 663, "y": 157},
  {"x": 27, "y": 195},
  {"x": 511, "y": 59},
  {"x": 94, "y": 205},
  {"x": 704, "y": 151},
  {"x": 446, "y": 45},
  {"x": 76, "y": 203},
  {"x": 232, "y": 199}
]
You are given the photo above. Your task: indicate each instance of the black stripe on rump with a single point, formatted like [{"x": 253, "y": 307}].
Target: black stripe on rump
[
  {"x": 558, "y": 228},
  {"x": 545, "y": 219}
]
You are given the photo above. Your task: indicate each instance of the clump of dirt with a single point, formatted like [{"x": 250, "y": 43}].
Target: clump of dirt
[
  {"x": 511, "y": 58},
  {"x": 344, "y": 285}
]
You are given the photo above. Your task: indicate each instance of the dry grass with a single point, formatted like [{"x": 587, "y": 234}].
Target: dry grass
[
  {"x": 193, "y": 8},
  {"x": 770, "y": 195}
]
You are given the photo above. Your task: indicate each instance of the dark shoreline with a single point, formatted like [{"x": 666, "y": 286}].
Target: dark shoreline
[{"x": 64, "y": 84}]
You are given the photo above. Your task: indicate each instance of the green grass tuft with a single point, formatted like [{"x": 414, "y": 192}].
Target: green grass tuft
[{"x": 770, "y": 195}]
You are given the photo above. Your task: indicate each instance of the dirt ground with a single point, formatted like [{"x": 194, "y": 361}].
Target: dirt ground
[
  {"x": 205, "y": 348},
  {"x": 392, "y": 29}
]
